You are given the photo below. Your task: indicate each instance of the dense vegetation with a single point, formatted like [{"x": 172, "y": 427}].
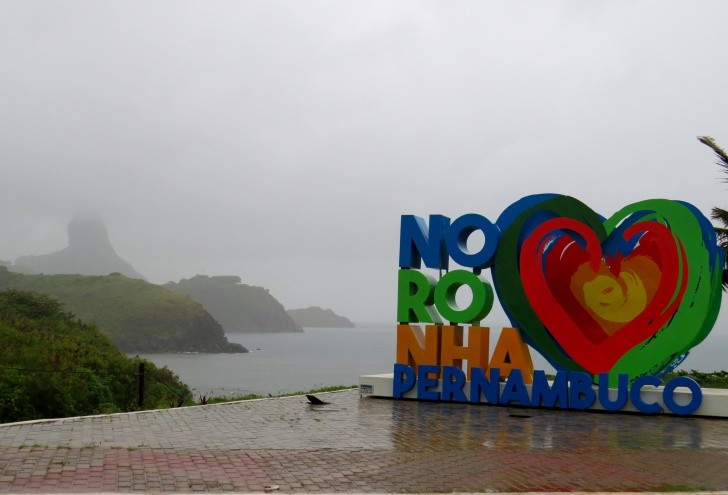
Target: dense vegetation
[
  {"x": 53, "y": 365},
  {"x": 319, "y": 317},
  {"x": 138, "y": 316},
  {"x": 238, "y": 307},
  {"x": 714, "y": 379}
]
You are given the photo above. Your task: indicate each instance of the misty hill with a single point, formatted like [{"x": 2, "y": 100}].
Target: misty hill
[
  {"x": 89, "y": 252},
  {"x": 136, "y": 315},
  {"x": 238, "y": 307},
  {"x": 318, "y": 317}
]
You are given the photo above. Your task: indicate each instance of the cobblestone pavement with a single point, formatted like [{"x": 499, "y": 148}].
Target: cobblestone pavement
[{"x": 358, "y": 444}]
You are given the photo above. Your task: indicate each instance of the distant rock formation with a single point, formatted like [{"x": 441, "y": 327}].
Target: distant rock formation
[
  {"x": 89, "y": 252},
  {"x": 319, "y": 317},
  {"x": 238, "y": 307}
]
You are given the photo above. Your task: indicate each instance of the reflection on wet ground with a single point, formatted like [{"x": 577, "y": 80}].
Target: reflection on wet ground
[
  {"x": 457, "y": 426},
  {"x": 355, "y": 444}
]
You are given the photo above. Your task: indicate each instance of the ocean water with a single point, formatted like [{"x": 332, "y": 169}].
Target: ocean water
[
  {"x": 291, "y": 362},
  {"x": 286, "y": 362}
]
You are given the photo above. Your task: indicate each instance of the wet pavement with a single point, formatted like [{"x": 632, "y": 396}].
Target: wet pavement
[{"x": 358, "y": 444}]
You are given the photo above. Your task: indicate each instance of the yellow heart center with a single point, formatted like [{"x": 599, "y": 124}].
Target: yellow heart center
[{"x": 614, "y": 300}]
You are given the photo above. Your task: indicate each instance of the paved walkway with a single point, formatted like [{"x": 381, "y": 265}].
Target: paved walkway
[{"x": 359, "y": 444}]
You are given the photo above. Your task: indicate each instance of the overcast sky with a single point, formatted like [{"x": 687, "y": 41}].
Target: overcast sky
[{"x": 281, "y": 141}]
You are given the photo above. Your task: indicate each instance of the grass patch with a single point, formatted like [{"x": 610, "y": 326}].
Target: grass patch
[
  {"x": 677, "y": 488},
  {"x": 221, "y": 399}
]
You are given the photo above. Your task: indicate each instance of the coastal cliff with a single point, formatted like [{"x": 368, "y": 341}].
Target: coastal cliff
[
  {"x": 138, "y": 316},
  {"x": 237, "y": 306},
  {"x": 318, "y": 317}
]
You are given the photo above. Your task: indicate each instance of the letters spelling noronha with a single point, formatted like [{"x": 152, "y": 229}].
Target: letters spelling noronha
[{"x": 615, "y": 302}]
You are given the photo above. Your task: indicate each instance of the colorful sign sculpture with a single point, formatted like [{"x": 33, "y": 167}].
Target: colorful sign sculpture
[{"x": 619, "y": 300}]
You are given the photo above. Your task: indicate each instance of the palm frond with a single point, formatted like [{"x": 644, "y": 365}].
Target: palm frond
[
  {"x": 719, "y": 152},
  {"x": 716, "y": 213},
  {"x": 721, "y": 215}
]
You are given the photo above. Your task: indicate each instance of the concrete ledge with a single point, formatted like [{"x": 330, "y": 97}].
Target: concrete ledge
[{"x": 714, "y": 404}]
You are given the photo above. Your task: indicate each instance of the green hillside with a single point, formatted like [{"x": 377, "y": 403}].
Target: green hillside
[
  {"x": 53, "y": 365},
  {"x": 318, "y": 317},
  {"x": 136, "y": 315},
  {"x": 238, "y": 307}
]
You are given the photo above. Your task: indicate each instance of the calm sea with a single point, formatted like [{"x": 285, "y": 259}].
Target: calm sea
[
  {"x": 286, "y": 362},
  {"x": 291, "y": 362}
]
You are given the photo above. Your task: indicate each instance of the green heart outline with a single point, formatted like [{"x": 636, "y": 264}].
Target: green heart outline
[{"x": 665, "y": 349}]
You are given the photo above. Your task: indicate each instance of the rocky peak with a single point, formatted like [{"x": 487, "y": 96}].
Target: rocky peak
[{"x": 89, "y": 252}]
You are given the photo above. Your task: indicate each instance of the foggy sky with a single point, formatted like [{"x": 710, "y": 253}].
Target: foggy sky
[{"x": 282, "y": 141}]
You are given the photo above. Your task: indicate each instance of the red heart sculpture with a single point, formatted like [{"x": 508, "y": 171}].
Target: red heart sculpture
[{"x": 567, "y": 284}]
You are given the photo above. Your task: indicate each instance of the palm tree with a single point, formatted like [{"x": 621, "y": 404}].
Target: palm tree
[{"x": 716, "y": 213}]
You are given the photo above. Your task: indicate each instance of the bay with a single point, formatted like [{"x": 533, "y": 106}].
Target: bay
[
  {"x": 286, "y": 362},
  {"x": 318, "y": 357}
]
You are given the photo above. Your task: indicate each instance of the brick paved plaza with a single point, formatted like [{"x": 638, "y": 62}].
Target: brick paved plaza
[{"x": 359, "y": 444}]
